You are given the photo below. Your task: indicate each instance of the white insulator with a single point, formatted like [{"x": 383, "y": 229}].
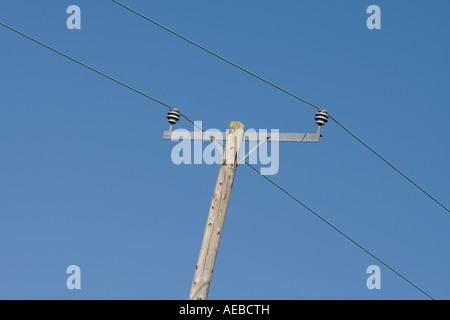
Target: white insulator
[
  {"x": 173, "y": 116},
  {"x": 321, "y": 117}
]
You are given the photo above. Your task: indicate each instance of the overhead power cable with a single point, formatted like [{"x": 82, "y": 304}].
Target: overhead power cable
[
  {"x": 215, "y": 54},
  {"x": 256, "y": 170},
  {"x": 285, "y": 91},
  {"x": 95, "y": 70},
  {"x": 338, "y": 230}
]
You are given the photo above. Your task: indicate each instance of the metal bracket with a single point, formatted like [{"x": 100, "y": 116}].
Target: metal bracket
[
  {"x": 218, "y": 146},
  {"x": 254, "y": 136},
  {"x": 261, "y": 138},
  {"x": 253, "y": 150}
]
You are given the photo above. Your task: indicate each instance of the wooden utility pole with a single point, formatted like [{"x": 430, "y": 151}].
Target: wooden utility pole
[
  {"x": 217, "y": 212},
  {"x": 221, "y": 197}
]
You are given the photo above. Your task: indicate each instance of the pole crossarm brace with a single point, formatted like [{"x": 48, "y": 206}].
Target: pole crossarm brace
[{"x": 253, "y": 150}]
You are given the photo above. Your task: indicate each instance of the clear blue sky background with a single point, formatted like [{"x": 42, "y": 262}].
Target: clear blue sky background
[{"x": 86, "y": 179}]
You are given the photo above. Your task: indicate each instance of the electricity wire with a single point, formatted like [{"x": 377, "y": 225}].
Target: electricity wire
[
  {"x": 287, "y": 92},
  {"x": 94, "y": 70},
  {"x": 338, "y": 230}
]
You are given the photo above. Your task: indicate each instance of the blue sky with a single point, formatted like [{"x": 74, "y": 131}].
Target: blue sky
[{"x": 86, "y": 179}]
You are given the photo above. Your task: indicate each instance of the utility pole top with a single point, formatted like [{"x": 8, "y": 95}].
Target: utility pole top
[
  {"x": 173, "y": 116},
  {"x": 233, "y": 138}
]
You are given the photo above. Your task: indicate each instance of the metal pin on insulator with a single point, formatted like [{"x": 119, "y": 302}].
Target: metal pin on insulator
[
  {"x": 321, "y": 117},
  {"x": 173, "y": 116}
]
